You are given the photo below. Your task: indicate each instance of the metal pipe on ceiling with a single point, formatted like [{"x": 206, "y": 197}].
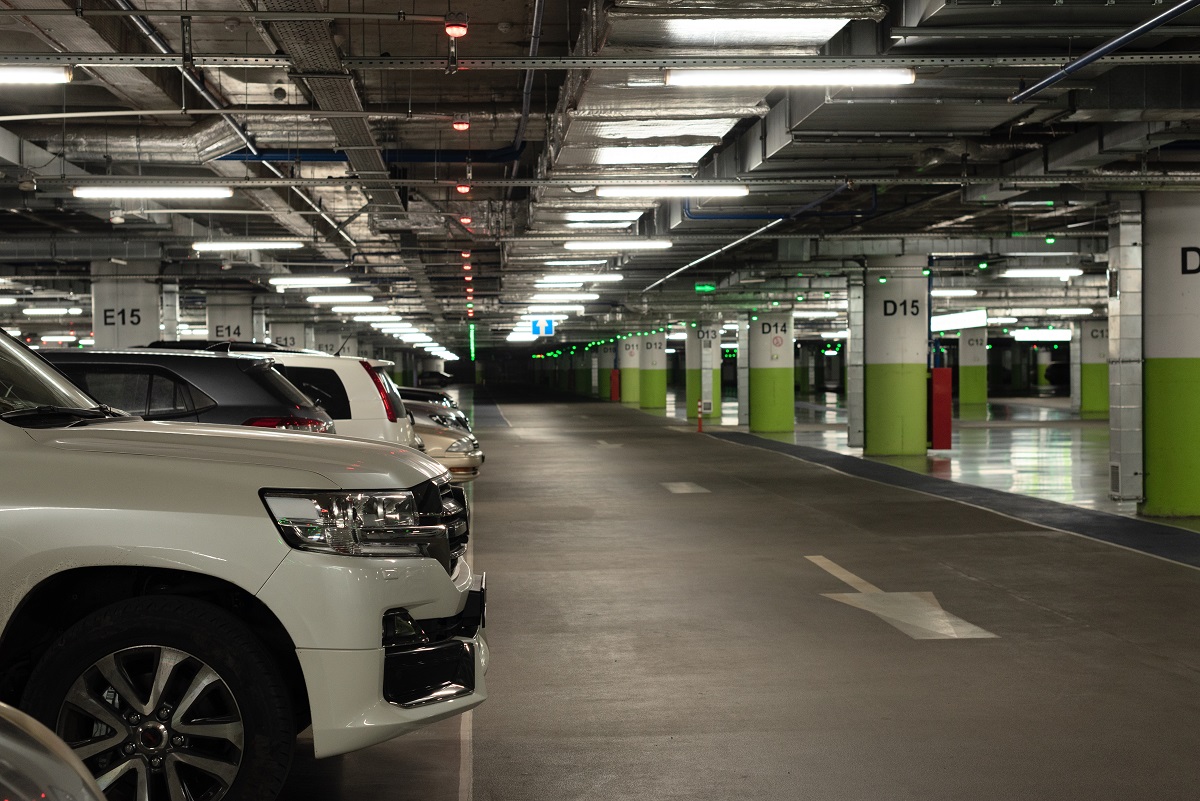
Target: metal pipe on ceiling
[
  {"x": 408, "y": 156},
  {"x": 84, "y": 13},
  {"x": 535, "y": 39},
  {"x": 1103, "y": 50}
]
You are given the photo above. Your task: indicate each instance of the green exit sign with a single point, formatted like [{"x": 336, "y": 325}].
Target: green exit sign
[{"x": 704, "y": 286}]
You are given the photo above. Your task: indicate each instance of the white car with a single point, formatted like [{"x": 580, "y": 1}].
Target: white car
[
  {"x": 357, "y": 393},
  {"x": 179, "y": 600}
]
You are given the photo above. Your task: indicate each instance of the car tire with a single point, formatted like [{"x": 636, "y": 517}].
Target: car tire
[{"x": 168, "y": 698}]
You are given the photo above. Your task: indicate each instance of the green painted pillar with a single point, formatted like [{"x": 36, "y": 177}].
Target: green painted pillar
[
  {"x": 896, "y": 346},
  {"x": 804, "y": 355},
  {"x": 772, "y": 383},
  {"x": 607, "y": 361},
  {"x": 629, "y": 360},
  {"x": 1044, "y": 356},
  {"x": 972, "y": 369},
  {"x": 582, "y": 360},
  {"x": 1171, "y": 348},
  {"x": 1089, "y": 368},
  {"x": 652, "y": 373},
  {"x": 703, "y": 362}
]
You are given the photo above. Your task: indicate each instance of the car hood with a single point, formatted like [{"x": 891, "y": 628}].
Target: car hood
[{"x": 348, "y": 463}]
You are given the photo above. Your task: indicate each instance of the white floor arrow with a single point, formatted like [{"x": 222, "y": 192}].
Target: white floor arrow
[{"x": 917, "y": 614}]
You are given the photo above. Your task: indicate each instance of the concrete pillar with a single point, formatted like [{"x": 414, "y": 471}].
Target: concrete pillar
[
  {"x": 1125, "y": 451},
  {"x": 652, "y": 372},
  {"x": 581, "y": 362},
  {"x": 1171, "y": 316},
  {"x": 972, "y": 367},
  {"x": 1089, "y": 368},
  {"x": 702, "y": 358},
  {"x": 231, "y": 316},
  {"x": 802, "y": 361},
  {"x": 606, "y": 361},
  {"x": 1043, "y": 357},
  {"x": 772, "y": 380},
  {"x": 125, "y": 303},
  {"x": 855, "y": 359},
  {"x": 333, "y": 340},
  {"x": 896, "y": 334},
  {"x": 292, "y": 335},
  {"x": 743, "y": 368},
  {"x": 169, "y": 328},
  {"x": 630, "y": 355}
]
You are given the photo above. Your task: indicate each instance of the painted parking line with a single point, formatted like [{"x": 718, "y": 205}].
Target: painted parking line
[
  {"x": 682, "y": 487},
  {"x": 917, "y": 614}
]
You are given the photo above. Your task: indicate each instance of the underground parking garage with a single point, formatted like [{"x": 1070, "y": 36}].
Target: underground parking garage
[{"x": 599, "y": 399}]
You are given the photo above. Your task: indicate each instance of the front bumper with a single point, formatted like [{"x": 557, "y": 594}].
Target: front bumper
[
  {"x": 335, "y": 608},
  {"x": 462, "y": 466}
]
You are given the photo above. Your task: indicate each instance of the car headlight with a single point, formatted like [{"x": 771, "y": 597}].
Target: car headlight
[
  {"x": 356, "y": 524},
  {"x": 463, "y": 445}
]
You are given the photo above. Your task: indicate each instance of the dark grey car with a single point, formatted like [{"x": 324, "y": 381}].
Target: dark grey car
[{"x": 198, "y": 387}]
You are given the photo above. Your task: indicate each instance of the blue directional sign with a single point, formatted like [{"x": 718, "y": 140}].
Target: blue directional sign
[{"x": 542, "y": 328}]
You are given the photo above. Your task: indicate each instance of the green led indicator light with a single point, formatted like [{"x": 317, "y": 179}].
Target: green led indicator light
[
  {"x": 926, "y": 271},
  {"x": 1051, "y": 240},
  {"x": 983, "y": 265},
  {"x": 883, "y": 279},
  {"x": 828, "y": 295}
]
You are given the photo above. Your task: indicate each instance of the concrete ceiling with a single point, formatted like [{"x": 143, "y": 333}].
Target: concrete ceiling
[{"x": 336, "y": 127}]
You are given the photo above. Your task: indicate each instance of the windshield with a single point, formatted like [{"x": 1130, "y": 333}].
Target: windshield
[{"x": 26, "y": 382}]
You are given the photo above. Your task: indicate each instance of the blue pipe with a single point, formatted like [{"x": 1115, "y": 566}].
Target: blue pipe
[{"x": 502, "y": 156}]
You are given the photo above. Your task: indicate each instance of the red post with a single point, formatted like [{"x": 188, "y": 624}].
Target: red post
[
  {"x": 700, "y": 416},
  {"x": 941, "y": 403},
  {"x": 614, "y": 385}
]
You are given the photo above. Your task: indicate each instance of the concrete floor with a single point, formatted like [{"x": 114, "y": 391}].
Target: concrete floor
[{"x": 660, "y": 630}]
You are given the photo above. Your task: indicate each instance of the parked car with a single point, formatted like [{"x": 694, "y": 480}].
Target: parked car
[
  {"x": 437, "y": 397},
  {"x": 357, "y": 393},
  {"x": 434, "y": 378},
  {"x": 439, "y": 415},
  {"x": 36, "y": 764},
  {"x": 197, "y": 387},
  {"x": 181, "y": 599},
  {"x": 457, "y": 450}
]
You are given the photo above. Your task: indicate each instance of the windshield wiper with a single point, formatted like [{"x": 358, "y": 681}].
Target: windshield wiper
[{"x": 95, "y": 413}]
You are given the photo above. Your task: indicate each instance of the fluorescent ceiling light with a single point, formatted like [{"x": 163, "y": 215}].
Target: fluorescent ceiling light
[
  {"x": 671, "y": 350},
  {"x": 534, "y": 308},
  {"x": 559, "y": 285},
  {"x": 361, "y": 297},
  {"x": 59, "y": 338},
  {"x": 969, "y": 319},
  {"x": 393, "y": 328},
  {"x": 1001, "y": 320},
  {"x": 887, "y": 76},
  {"x": 54, "y": 311},
  {"x": 730, "y": 345},
  {"x": 564, "y": 297},
  {"x": 248, "y": 244},
  {"x": 804, "y": 314},
  {"x": 675, "y": 190},
  {"x": 517, "y": 336},
  {"x": 680, "y": 336},
  {"x": 953, "y": 293},
  {"x": 35, "y": 75},
  {"x": 306, "y": 282},
  {"x": 359, "y": 308},
  {"x": 376, "y": 318},
  {"x": 545, "y": 317},
  {"x": 416, "y": 337},
  {"x": 153, "y": 192},
  {"x": 87, "y": 341},
  {"x": 1034, "y": 253},
  {"x": 1068, "y": 312},
  {"x": 1062, "y": 273},
  {"x": 603, "y": 216},
  {"x": 747, "y": 32},
  {"x": 843, "y": 334},
  {"x": 729, "y": 327},
  {"x": 650, "y": 154},
  {"x": 575, "y": 262},
  {"x": 610, "y": 224},
  {"x": 620, "y": 244},
  {"x": 13, "y": 332},
  {"x": 8, "y": 301},
  {"x": 431, "y": 346},
  {"x": 1042, "y": 335},
  {"x": 563, "y": 278}
]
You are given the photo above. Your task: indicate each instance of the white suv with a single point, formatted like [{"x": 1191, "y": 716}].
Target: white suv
[
  {"x": 357, "y": 394},
  {"x": 179, "y": 600}
]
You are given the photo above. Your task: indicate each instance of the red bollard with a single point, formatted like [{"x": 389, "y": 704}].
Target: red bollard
[{"x": 700, "y": 416}]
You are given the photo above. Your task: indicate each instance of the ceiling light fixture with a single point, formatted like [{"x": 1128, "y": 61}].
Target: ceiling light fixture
[
  {"x": 611, "y": 224},
  {"x": 953, "y": 293},
  {"x": 48, "y": 311},
  {"x": 35, "y": 75},
  {"x": 674, "y": 190},
  {"x": 603, "y": 216},
  {"x": 247, "y": 244},
  {"x": 355, "y": 298},
  {"x": 308, "y": 282},
  {"x": 462, "y": 189},
  {"x": 153, "y": 192},
  {"x": 465, "y": 220},
  {"x": 377, "y": 318},
  {"x": 814, "y": 315},
  {"x": 359, "y": 308},
  {"x": 1062, "y": 273},
  {"x": 619, "y": 244},
  {"x": 1042, "y": 335},
  {"x": 885, "y": 76},
  {"x": 8, "y": 301},
  {"x": 462, "y": 122},
  {"x": 1069, "y": 312},
  {"x": 575, "y": 262},
  {"x": 564, "y": 278},
  {"x": 534, "y": 308},
  {"x": 58, "y": 338},
  {"x": 564, "y": 297}
]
